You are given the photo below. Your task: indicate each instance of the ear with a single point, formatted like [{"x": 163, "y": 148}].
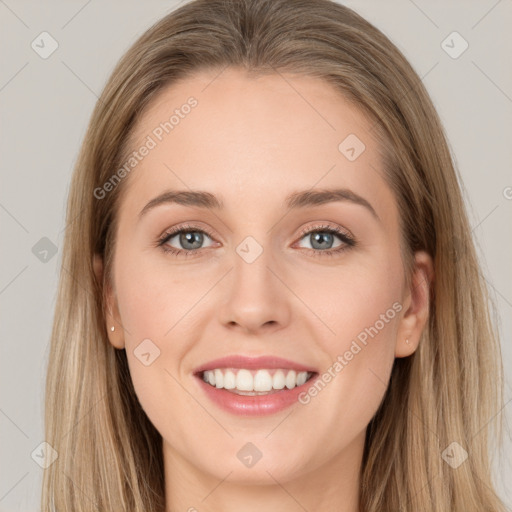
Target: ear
[
  {"x": 111, "y": 315},
  {"x": 416, "y": 306}
]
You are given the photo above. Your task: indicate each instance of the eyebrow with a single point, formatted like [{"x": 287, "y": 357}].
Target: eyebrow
[{"x": 296, "y": 200}]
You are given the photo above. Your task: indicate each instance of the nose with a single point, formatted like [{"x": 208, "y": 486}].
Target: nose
[{"x": 256, "y": 298}]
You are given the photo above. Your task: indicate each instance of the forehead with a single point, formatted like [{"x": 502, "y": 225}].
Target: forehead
[{"x": 244, "y": 138}]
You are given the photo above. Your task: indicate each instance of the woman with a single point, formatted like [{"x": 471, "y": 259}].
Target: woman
[{"x": 250, "y": 371}]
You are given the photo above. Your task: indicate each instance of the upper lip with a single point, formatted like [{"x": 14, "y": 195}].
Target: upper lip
[{"x": 252, "y": 363}]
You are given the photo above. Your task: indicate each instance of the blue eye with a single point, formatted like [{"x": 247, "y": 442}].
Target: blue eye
[
  {"x": 318, "y": 237},
  {"x": 191, "y": 239},
  {"x": 188, "y": 235}
]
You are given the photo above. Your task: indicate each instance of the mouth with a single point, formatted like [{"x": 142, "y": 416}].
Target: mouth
[
  {"x": 247, "y": 382},
  {"x": 254, "y": 386}
]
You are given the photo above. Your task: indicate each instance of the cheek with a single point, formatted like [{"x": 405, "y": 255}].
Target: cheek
[
  {"x": 154, "y": 302},
  {"x": 152, "y": 295},
  {"x": 359, "y": 301},
  {"x": 367, "y": 318},
  {"x": 363, "y": 308}
]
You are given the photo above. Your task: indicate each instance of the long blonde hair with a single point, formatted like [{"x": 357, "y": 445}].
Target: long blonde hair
[{"x": 449, "y": 390}]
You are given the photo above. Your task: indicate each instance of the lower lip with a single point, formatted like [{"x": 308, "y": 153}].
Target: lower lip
[{"x": 257, "y": 405}]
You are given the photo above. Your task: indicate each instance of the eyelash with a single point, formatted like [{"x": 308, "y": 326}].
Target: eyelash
[{"x": 348, "y": 241}]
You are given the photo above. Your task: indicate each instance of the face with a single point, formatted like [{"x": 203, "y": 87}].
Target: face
[{"x": 265, "y": 272}]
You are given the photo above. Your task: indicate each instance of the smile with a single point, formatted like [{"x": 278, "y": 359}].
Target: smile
[
  {"x": 255, "y": 382},
  {"x": 252, "y": 386}
]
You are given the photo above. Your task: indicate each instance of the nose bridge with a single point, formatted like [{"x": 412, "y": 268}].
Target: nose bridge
[
  {"x": 254, "y": 295},
  {"x": 251, "y": 276}
]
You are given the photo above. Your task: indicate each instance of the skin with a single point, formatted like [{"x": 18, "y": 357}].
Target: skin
[{"x": 251, "y": 142}]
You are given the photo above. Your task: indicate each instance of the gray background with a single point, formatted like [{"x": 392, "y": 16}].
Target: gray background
[{"x": 45, "y": 107}]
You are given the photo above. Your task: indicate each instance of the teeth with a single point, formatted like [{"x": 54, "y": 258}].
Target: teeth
[
  {"x": 244, "y": 381},
  {"x": 229, "y": 380},
  {"x": 301, "y": 378},
  {"x": 260, "y": 381},
  {"x": 279, "y": 380},
  {"x": 219, "y": 379},
  {"x": 291, "y": 379}
]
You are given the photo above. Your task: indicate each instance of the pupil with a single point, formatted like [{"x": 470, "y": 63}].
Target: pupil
[
  {"x": 189, "y": 238},
  {"x": 321, "y": 238}
]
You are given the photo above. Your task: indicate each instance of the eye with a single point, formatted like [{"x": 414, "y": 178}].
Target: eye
[
  {"x": 322, "y": 237},
  {"x": 190, "y": 238}
]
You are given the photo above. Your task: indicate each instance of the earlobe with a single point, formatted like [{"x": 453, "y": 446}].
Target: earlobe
[
  {"x": 417, "y": 308},
  {"x": 111, "y": 312}
]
